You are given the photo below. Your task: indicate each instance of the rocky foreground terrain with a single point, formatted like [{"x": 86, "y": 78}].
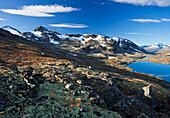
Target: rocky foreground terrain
[{"x": 45, "y": 80}]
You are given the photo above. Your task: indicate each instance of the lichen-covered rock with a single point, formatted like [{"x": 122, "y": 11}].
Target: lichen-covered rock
[
  {"x": 132, "y": 107},
  {"x": 112, "y": 97},
  {"x": 70, "y": 86},
  {"x": 96, "y": 99},
  {"x": 54, "y": 101},
  {"x": 69, "y": 90}
]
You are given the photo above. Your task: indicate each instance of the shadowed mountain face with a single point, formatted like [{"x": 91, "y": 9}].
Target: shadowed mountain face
[
  {"x": 50, "y": 73},
  {"x": 157, "y": 48}
]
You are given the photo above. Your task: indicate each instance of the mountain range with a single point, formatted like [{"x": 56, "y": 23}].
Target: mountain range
[
  {"x": 89, "y": 43},
  {"x": 93, "y": 44},
  {"x": 157, "y": 48}
]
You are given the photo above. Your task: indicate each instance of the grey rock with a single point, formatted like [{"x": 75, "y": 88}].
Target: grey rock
[
  {"x": 148, "y": 91},
  {"x": 70, "y": 86},
  {"x": 96, "y": 99},
  {"x": 91, "y": 68},
  {"x": 132, "y": 107},
  {"x": 112, "y": 97},
  {"x": 97, "y": 113}
]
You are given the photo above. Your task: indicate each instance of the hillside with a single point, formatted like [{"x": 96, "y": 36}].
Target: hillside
[
  {"x": 164, "y": 50},
  {"x": 47, "y": 74}
]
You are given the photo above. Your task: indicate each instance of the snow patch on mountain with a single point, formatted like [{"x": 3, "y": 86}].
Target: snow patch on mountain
[
  {"x": 91, "y": 43},
  {"x": 75, "y": 55},
  {"x": 63, "y": 36},
  {"x": 120, "y": 44},
  {"x": 11, "y": 30},
  {"x": 37, "y": 33},
  {"x": 54, "y": 42},
  {"x": 116, "y": 38},
  {"x": 111, "y": 57}
]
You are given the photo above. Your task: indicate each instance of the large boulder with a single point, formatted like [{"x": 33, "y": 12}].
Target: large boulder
[
  {"x": 148, "y": 91},
  {"x": 96, "y": 99},
  {"x": 32, "y": 80},
  {"x": 130, "y": 107},
  {"x": 114, "y": 96}
]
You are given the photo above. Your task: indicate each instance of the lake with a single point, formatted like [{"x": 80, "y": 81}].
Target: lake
[{"x": 155, "y": 69}]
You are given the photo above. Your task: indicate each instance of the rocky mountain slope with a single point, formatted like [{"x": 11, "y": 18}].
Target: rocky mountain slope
[
  {"x": 94, "y": 44},
  {"x": 157, "y": 48},
  {"x": 164, "y": 50},
  {"x": 42, "y": 79}
]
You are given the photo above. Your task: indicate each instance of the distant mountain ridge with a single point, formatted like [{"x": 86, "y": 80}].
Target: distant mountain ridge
[
  {"x": 11, "y": 29},
  {"x": 86, "y": 43},
  {"x": 157, "y": 48}
]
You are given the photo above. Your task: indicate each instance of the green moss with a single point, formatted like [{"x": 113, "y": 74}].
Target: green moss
[{"x": 57, "y": 105}]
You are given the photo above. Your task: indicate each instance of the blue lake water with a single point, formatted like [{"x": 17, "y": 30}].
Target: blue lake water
[{"x": 155, "y": 69}]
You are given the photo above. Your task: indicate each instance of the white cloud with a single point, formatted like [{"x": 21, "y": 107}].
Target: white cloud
[
  {"x": 2, "y": 19},
  {"x": 132, "y": 33},
  {"x": 168, "y": 75},
  {"x": 69, "y": 25},
  {"x": 160, "y": 3},
  {"x": 165, "y": 19},
  {"x": 150, "y": 20},
  {"x": 145, "y": 20},
  {"x": 39, "y": 10},
  {"x": 149, "y": 34}
]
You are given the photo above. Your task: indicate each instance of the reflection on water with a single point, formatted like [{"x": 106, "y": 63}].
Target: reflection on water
[{"x": 156, "y": 69}]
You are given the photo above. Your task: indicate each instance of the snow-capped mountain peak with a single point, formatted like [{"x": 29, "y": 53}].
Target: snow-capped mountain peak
[
  {"x": 161, "y": 45},
  {"x": 88, "y": 43},
  {"x": 156, "y": 47},
  {"x": 41, "y": 29}
]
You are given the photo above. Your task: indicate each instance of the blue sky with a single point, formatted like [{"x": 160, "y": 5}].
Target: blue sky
[{"x": 142, "y": 21}]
